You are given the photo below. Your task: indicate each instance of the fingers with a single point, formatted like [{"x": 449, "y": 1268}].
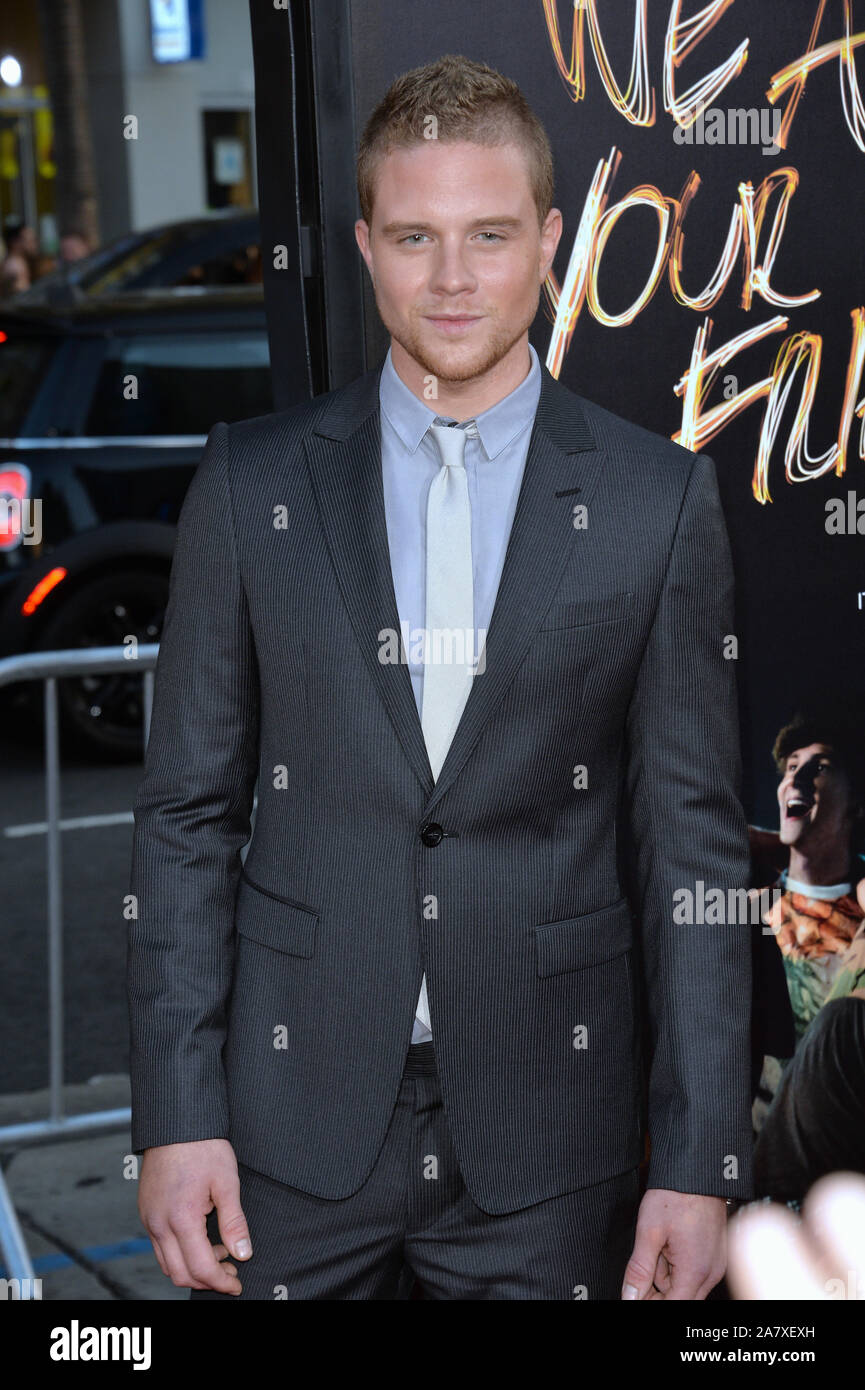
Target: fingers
[
  {"x": 769, "y": 1256},
  {"x": 695, "y": 1274},
  {"x": 220, "y": 1252},
  {"x": 685, "y": 1279},
  {"x": 160, "y": 1256},
  {"x": 834, "y": 1212},
  {"x": 176, "y": 1267},
  {"x": 186, "y": 1257},
  {"x": 199, "y": 1259},
  {"x": 662, "y": 1278},
  {"x": 645, "y": 1258},
  {"x": 232, "y": 1222},
  {"x": 774, "y": 1255}
]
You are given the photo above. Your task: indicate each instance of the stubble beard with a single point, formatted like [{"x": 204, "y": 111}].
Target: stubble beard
[{"x": 456, "y": 364}]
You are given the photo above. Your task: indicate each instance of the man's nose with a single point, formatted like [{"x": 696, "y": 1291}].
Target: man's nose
[{"x": 450, "y": 272}]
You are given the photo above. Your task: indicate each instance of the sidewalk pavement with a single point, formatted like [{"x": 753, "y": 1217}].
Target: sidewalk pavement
[{"x": 76, "y": 1201}]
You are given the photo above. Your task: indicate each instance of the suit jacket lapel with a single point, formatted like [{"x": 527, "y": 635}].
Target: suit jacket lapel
[
  {"x": 344, "y": 459},
  {"x": 562, "y": 468},
  {"x": 562, "y": 458}
]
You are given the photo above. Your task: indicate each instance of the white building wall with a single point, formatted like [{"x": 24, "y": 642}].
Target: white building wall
[{"x": 165, "y": 165}]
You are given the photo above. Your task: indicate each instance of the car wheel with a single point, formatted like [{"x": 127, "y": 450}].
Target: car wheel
[{"x": 103, "y": 714}]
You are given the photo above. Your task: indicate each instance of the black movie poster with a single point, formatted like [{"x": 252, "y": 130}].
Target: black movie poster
[{"x": 709, "y": 286}]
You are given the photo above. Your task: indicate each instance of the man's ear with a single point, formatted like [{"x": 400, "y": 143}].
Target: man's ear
[
  {"x": 550, "y": 236},
  {"x": 361, "y": 236}
]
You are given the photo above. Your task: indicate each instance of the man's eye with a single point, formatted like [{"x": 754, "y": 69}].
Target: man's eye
[{"x": 412, "y": 235}]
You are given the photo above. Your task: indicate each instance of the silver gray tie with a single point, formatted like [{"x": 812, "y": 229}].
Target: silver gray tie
[{"x": 449, "y": 624}]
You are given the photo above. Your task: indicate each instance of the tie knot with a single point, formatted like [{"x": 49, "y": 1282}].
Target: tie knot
[{"x": 450, "y": 440}]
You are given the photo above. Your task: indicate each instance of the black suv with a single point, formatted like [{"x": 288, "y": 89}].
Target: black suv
[
  {"x": 105, "y": 406},
  {"x": 219, "y": 249}
]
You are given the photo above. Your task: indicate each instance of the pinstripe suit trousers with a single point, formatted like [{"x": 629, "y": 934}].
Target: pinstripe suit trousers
[{"x": 413, "y": 1219}]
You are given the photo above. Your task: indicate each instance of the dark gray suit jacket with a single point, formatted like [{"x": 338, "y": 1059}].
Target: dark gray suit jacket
[{"x": 272, "y": 1001}]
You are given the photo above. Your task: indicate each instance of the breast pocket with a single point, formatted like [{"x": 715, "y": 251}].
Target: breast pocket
[
  {"x": 275, "y": 921},
  {"x": 585, "y": 612}
]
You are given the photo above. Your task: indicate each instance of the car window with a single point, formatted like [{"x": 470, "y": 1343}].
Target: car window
[
  {"x": 82, "y": 274},
  {"x": 180, "y": 383},
  {"x": 238, "y": 265},
  {"x": 171, "y": 260},
  {"x": 23, "y": 362},
  {"x": 128, "y": 269}
]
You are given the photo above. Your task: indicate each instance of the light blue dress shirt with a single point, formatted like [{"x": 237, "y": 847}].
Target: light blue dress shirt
[{"x": 495, "y": 458}]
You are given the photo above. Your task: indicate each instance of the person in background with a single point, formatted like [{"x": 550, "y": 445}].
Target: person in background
[
  {"x": 809, "y": 1110},
  {"x": 18, "y": 267},
  {"x": 74, "y": 246}
]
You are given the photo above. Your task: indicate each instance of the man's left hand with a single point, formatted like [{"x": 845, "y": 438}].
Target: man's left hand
[{"x": 680, "y": 1249}]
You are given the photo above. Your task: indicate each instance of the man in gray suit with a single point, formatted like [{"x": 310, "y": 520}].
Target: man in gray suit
[{"x": 465, "y": 629}]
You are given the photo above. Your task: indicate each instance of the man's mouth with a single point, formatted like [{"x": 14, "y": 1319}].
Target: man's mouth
[
  {"x": 447, "y": 323},
  {"x": 797, "y": 808}
]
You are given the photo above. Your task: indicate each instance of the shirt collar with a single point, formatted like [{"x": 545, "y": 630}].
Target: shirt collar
[
  {"x": 497, "y": 426},
  {"x": 819, "y": 892}
]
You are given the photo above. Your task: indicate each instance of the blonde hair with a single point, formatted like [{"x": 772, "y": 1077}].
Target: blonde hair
[{"x": 469, "y": 101}]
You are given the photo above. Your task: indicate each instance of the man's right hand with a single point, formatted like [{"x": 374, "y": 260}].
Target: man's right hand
[{"x": 178, "y": 1185}]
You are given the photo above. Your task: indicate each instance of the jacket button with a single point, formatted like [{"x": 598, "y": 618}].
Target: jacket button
[{"x": 431, "y": 833}]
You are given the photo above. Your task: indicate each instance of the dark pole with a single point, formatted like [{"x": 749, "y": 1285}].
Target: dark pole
[{"x": 275, "y": 58}]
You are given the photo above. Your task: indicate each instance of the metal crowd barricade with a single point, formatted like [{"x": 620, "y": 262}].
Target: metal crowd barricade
[{"x": 48, "y": 666}]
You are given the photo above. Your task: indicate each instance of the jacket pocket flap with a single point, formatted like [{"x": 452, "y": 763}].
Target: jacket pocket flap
[
  {"x": 588, "y": 610},
  {"x": 274, "y": 921},
  {"x": 590, "y": 939}
]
